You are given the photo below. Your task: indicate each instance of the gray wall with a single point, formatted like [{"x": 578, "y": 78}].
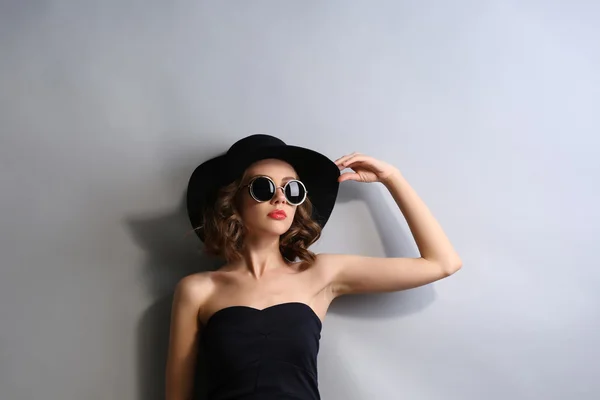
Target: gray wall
[{"x": 490, "y": 108}]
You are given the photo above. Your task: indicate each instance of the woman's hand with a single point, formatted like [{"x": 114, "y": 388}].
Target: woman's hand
[{"x": 366, "y": 169}]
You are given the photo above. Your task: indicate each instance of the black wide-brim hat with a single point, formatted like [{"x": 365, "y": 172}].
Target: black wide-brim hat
[{"x": 318, "y": 173}]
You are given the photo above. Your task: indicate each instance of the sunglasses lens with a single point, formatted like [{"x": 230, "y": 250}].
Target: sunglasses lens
[
  {"x": 263, "y": 189},
  {"x": 294, "y": 192}
]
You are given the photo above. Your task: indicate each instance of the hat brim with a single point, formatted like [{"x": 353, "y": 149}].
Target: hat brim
[{"x": 318, "y": 173}]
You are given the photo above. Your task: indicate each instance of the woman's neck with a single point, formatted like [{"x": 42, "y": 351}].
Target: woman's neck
[{"x": 261, "y": 255}]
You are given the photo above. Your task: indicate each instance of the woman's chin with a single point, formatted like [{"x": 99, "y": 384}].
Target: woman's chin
[
  {"x": 277, "y": 232},
  {"x": 271, "y": 230}
]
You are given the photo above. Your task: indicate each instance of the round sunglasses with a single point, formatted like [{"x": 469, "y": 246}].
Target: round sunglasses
[{"x": 263, "y": 188}]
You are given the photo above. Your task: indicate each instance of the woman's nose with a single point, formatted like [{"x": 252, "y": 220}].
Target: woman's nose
[{"x": 279, "y": 195}]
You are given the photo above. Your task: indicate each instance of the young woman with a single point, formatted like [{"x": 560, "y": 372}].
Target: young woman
[{"x": 259, "y": 317}]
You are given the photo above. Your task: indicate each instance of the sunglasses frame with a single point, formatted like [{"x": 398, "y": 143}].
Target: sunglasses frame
[{"x": 249, "y": 185}]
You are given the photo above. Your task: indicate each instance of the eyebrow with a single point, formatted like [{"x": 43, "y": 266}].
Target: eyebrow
[{"x": 287, "y": 178}]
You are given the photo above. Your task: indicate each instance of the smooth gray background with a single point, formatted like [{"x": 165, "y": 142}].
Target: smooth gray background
[{"x": 490, "y": 109}]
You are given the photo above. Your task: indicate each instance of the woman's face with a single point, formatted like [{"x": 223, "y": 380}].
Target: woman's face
[{"x": 259, "y": 218}]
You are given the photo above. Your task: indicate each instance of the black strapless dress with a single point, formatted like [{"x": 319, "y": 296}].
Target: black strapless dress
[{"x": 254, "y": 354}]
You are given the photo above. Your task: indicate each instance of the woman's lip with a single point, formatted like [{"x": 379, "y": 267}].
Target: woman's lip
[{"x": 279, "y": 214}]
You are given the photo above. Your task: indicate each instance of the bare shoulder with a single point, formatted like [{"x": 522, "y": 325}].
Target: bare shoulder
[
  {"x": 326, "y": 267},
  {"x": 328, "y": 261},
  {"x": 194, "y": 289}
]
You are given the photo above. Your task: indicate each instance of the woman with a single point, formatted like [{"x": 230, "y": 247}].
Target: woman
[{"x": 259, "y": 317}]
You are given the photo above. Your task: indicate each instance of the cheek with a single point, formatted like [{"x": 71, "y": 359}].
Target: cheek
[{"x": 250, "y": 210}]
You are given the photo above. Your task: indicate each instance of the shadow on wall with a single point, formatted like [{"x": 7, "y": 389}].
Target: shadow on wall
[
  {"x": 173, "y": 252},
  {"x": 397, "y": 242}
]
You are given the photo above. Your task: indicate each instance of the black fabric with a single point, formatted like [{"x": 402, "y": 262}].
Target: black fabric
[
  {"x": 318, "y": 173},
  {"x": 265, "y": 354}
]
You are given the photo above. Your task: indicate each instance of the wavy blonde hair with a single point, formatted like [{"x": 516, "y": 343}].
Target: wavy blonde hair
[{"x": 224, "y": 231}]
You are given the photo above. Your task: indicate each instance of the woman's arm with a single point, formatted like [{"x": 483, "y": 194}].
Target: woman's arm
[
  {"x": 432, "y": 242},
  {"x": 183, "y": 339},
  {"x": 354, "y": 274}
]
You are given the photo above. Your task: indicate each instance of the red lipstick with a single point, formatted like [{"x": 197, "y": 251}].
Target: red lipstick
[{"x": 278, "y": 214}]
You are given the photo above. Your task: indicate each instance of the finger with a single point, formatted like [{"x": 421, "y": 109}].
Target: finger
[
  {"x": 349, "y": 176},
  {"x": 355, "y": 165},
  {"x": 354, "y": 159},
  {"x": 343, "y": 158},
  {"x": 340, "y": 162}
]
